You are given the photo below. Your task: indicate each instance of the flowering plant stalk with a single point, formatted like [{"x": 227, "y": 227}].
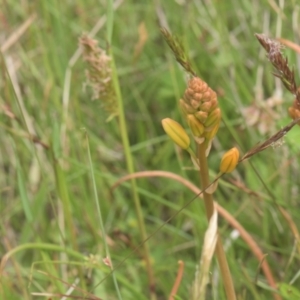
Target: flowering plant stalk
[{"x": 200, "y": 109}]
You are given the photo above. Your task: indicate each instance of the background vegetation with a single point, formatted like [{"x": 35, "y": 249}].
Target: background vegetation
[{"x": 48, "y": 211}]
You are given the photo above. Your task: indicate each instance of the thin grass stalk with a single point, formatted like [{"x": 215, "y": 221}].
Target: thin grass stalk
[
  {"x": 52, "y": 269},
  {"x": 128, "y": 156},
  {"x": 22, "y": 285},
  {"x": 107, "y": 253},
  {"x": 63, "y": 195},
  {"x": 209, "y": 208},
  {"x": 130, "y": 169},
  {"x": 41, "y": 246}
]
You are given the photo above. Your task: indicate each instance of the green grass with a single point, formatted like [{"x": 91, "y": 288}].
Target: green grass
[{"x": 49, "y": 223}]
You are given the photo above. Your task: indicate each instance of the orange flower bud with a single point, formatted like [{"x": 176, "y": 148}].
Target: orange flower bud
[
  {"x": 195, "y": 125},
  {"x": 214, "y": 104},
  {"x": 294, "y": 113},
  {"x": 176, "y": 132},
  {"x": 229, "y": 160},
  {"x": 206, "y": 106}
]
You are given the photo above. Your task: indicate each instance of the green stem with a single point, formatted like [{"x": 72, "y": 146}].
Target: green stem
[
  {"x": 209, "y": 207},
  {"x": 130, "y": 169},
  {"x": 42, "y": 246},
  {"x": 107, "y": 252},
  {"x": 64, "y": 198}
]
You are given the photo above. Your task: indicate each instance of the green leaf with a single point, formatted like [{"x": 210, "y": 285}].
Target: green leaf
[
  {"x": 289, "y": 292},
  {"x": 23, "y": 194}
]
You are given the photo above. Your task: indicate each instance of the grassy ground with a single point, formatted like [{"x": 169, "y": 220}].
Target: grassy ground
[{"x": 55, "y": 189}]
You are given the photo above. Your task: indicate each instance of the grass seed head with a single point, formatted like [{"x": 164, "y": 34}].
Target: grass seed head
[
  {"x": 99, "y": 75},
  {"x": 283, "y": 71}
]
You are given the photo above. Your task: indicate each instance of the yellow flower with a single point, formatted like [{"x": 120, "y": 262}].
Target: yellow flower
[
  {"x": 229, "y": 160},
  {"x": 176, "y": 132}
]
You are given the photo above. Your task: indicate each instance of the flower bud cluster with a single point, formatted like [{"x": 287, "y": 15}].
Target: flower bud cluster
[{"x": 200, "y": 108}]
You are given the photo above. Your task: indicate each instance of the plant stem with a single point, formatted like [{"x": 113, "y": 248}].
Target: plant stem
[
  {"x": 99, "y": 212},
  {"x": 130, "y": 169},
  {"x": 209, "y": 207}
]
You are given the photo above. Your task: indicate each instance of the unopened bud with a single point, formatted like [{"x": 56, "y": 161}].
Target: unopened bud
[
  {"x": 201, "y": 116},
  {"x": 185, "y": 108},
  {"x": 176, "y": 132},
  {"x": 229, "y": 160},
  {"x": 210, "y": 134},
  {"x": 206, "y": 106},
  {"x": 196, "y": 126},
  {"x": 213, "y": 118}
]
